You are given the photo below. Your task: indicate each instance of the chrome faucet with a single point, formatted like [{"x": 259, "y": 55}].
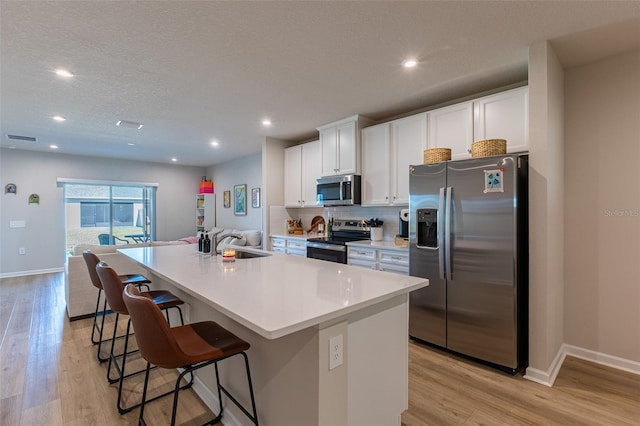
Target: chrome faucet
[{"x": 219, "y": 238}]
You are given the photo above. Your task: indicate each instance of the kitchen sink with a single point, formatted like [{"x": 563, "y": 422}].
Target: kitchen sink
[{"x": 240, "y": 254}]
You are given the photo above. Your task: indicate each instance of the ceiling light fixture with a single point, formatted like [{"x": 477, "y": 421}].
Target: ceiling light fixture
[
  {"x": 53, "y": 146},
  {"x": 131, "y": 144},
  {"x": 129, "y": 124},
  {"x": 266, "y": 122},
  {"x": 215, "y": 143},
  {"x": 174, "y": 159},
  {"x": 410, "y": 63},
  {"x": 64, "y": 73},
  {"x": 59, "y": 118}
]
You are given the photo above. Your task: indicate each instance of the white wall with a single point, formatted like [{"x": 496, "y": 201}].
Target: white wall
[
  {"x": 245, "y": 170},
  {"x": 43, "y": 237},
  {"x": 546, "y": 207},
  {"x": 602, "y": 227}
]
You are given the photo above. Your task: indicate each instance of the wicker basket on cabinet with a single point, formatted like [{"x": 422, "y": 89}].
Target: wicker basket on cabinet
[
  {"x": 488, "y": 147},
  {"x": 436, "y": 155}
]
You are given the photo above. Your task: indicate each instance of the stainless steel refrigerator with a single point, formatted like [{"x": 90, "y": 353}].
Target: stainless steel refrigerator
[{"x": 468, "y": 234}]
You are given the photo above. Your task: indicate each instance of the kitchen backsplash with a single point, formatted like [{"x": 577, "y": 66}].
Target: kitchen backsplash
[{"x": 389, "y": 215}]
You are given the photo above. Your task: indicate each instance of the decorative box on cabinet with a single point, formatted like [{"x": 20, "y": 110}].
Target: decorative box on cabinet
[
  {"x": 302, "y": 168},
  {"x": 503, "y": 115},
  {"x": 387, "y": 152},
  {"x": 340, "y": 146},
  {"x": 205, "y": 212}
]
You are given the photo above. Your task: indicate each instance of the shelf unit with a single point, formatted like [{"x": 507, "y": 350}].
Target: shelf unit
[{"x": 205, "y": 212}]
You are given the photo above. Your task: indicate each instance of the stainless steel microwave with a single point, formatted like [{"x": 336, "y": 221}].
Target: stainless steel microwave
[{"x": 338, "y": 190}]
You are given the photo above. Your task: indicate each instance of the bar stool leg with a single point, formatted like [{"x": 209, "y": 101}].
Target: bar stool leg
[{"x": 95, "y": 321}]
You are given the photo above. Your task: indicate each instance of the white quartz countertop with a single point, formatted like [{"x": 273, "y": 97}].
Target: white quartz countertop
[
  {"x": 387, "y": 245},
  {"x": 274, "y": 295}
]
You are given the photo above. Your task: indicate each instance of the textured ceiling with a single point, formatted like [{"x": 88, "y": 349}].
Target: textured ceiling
[{"x": 196, "y": 71}]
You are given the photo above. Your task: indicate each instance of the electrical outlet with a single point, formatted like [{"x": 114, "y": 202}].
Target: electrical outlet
[
  {"x": 335, "y": 351},
  {"x": 22, "y": 250}
]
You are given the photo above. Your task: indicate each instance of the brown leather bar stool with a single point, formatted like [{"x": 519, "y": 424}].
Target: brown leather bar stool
[
  {"x": 190, "y": 347},
  {"x": 113, "y": 289},
  {"x": 139, "y": 280}
]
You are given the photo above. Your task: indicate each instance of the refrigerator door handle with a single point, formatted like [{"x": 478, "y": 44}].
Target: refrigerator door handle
[
  {"x": 441, "y": 215},
  {"x": 447, "y": 231}
]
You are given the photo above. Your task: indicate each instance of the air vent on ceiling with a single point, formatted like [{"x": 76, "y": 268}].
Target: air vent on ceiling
[{"x": 22, "y": 138}]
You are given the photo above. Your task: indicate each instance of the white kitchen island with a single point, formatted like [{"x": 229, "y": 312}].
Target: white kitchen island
[{"x": 290, "y": 309}]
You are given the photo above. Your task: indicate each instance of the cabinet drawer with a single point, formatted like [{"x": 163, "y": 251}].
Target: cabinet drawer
[
  {"x": 297, "y": 245},
  {"x": 278, "y": 249},
  {"x": 296, "y": 252},
  {"x": 362, "y": 253},
  {"x": 397, "y": 269},
  {"x": 278, "y": 242},
  {"x": 394, "y": 258},
  {"x": 362, "y": 263}
]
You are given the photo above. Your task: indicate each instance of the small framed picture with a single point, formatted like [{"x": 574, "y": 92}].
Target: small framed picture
[
  {"x": 226, "y": 198},
  {"x": 255, "y": 197},
  {"x": 240, "y": 200}
]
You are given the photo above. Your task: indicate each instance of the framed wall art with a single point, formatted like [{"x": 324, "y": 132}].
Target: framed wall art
[
  {"x": 255, "y": 197},
  {"x": 226, "y": 199},
  {"x": 240, "y": 200}
]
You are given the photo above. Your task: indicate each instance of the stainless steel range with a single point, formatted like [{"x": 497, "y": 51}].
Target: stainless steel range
[{"x": 334, "y": 247}]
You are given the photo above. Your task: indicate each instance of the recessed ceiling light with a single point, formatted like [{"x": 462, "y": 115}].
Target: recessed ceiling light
[
  {"x": 59, "y": 118},
  {"x": 266, "y": 122},
  {"x": 64, "y": 73},
  {"x": 12, "y": 147},
  {"x": 174, "y": 159},
  {"x": 53, "y": 146},
  {"x": 215, "y": 143},
  {"x": 131, "y": 144},
  {"x": 129, "y": 124},
  {"x": 410, "y": 63}
]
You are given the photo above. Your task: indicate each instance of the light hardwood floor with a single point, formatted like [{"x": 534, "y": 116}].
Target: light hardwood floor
[{"x": 49, "y": 376}]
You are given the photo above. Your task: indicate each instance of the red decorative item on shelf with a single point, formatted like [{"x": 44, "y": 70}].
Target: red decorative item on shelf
[{"x": 206, "y": 186}]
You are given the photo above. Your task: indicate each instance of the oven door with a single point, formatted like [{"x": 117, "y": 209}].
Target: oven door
[{"x": 331, "y": 252}]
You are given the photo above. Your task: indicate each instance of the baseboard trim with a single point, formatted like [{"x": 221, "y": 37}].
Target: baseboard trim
[
  {"x": 547, "y": 378},
  {"x": 210, "y": 399},
  {"x": 33, "y": 272},
  {"x": 603, "y": 359}
]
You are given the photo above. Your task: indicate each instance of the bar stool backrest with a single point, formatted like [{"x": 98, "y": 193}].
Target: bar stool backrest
[
  {"x": 155, "y": 340},
  {"x": 92, "y": 261},
  {"x": 113, "y": 287}
]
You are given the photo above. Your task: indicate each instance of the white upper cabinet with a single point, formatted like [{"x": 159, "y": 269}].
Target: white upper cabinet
[
  {"x": 293, "y": 176},
  {"x": 452, "y": 127},
  {"x": 311, "y": 171},
  {"x": 387, "y": 152},
  {"x": 340, "y": 145},
  {"x": 302, "y": 168},
  {"x": 408, "y": 142},
  {"x": 376, "y": 181},
  {"x": 503, "y": 115}
]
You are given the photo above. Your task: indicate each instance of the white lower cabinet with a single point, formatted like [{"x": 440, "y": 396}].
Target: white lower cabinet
[
  {"x": 279, "y": 245},
  {"x": 393, "y": 261},
  {"x": 380, "y": 259},
  {"x": 294, "y": 246}
]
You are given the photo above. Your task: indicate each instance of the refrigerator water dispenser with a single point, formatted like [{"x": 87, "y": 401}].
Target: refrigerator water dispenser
[{"x": 427, "y": 220}]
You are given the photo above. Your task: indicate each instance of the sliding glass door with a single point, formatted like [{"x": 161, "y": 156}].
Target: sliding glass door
[{"x": 108, "y": 214}]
